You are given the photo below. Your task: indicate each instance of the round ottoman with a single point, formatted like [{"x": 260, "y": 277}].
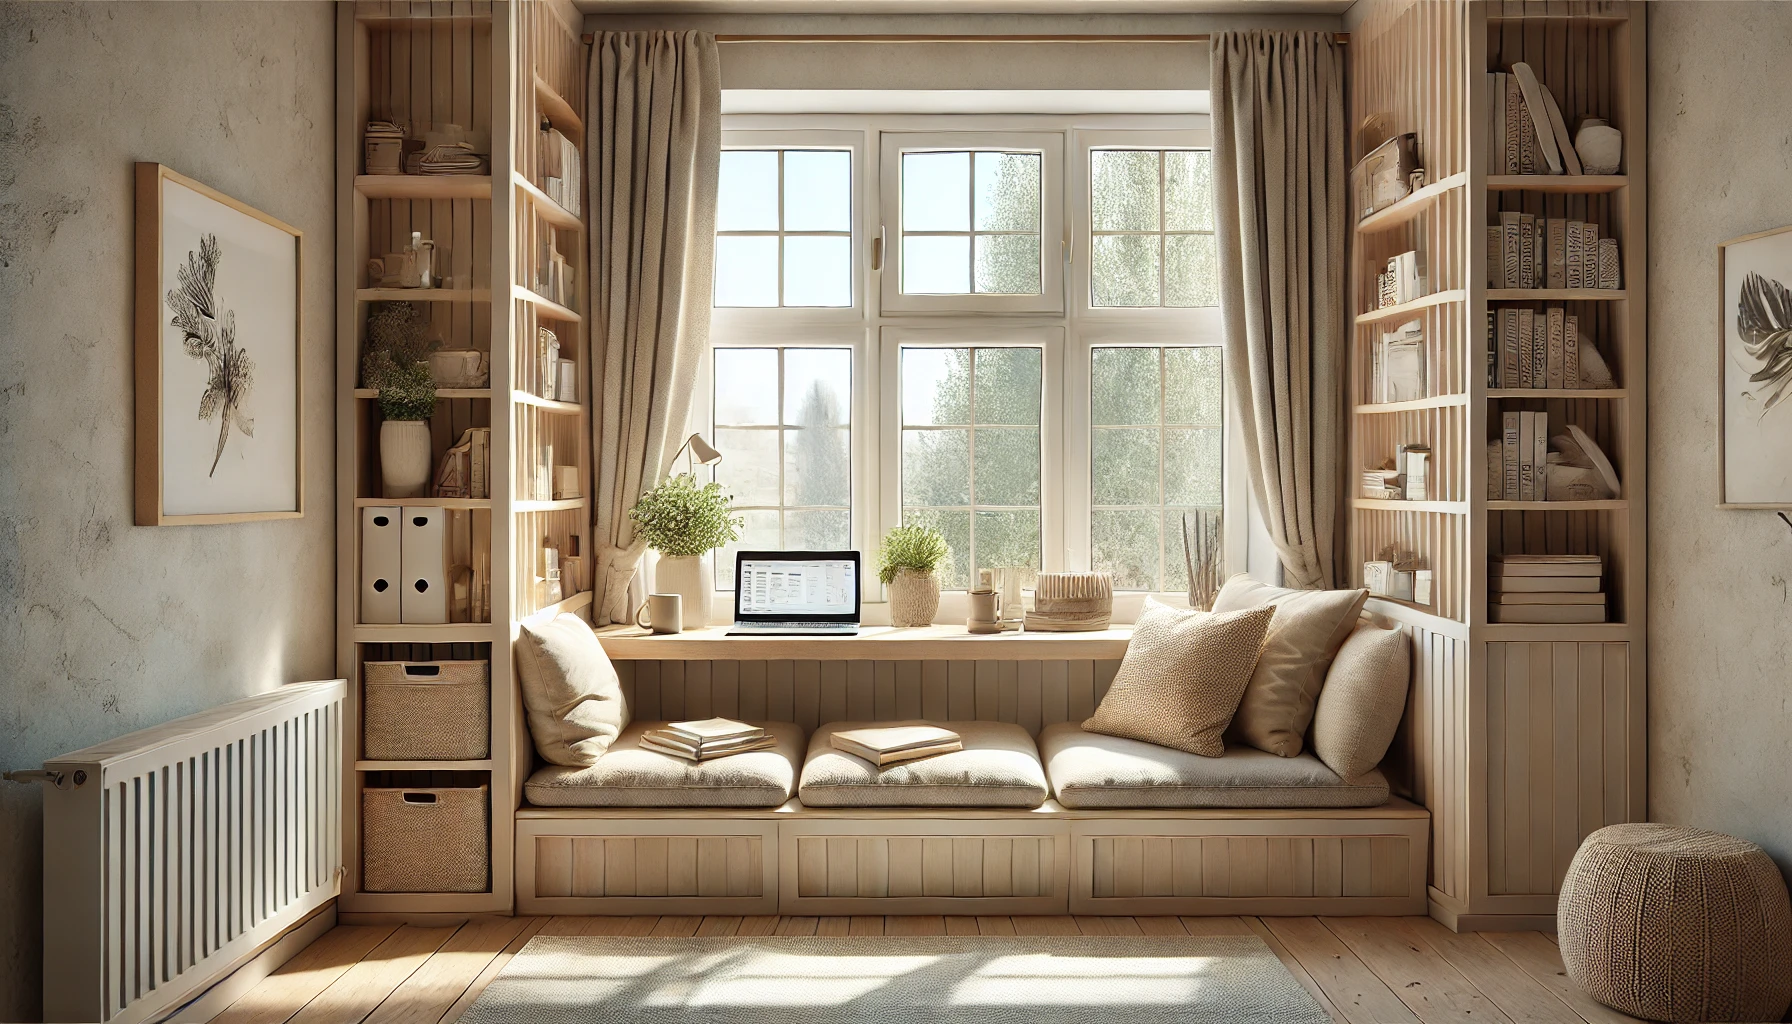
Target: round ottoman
[{"x": 1677, "y": 924}]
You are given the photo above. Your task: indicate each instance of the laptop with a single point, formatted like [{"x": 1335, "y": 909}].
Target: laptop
[{"x": 796, "y": 593}]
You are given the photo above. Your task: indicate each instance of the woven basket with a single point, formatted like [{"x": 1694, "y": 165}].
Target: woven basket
[
  {"x": 426, "y": 710},
  {"x": 425, "y": 840},
  {"x": 914, "y": 598}
]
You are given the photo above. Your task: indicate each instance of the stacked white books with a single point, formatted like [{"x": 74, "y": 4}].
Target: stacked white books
[
  {"x": 1546, "y": 588},
  {"x": 1527, "y": 251},
  {"x": 895, "y": 744},
  {"x": 708, "y": 739}
]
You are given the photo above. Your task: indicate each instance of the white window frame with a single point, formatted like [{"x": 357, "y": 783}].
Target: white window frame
[{"x": 1052, "y": 240}]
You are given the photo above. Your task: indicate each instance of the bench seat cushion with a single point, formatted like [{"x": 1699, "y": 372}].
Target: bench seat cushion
[
  {"x": 998, "y": 767},
  {"x": 628, "y": 775},
  {"x": 1089, "y": 770}
]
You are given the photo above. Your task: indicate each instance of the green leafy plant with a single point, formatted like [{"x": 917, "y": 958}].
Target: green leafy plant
[
  {"x": 921, "y": 548},
  {"x": 407, "y": 392},
  {"x": 396, "y": 362},
  {"x": 679, "y": 517}
]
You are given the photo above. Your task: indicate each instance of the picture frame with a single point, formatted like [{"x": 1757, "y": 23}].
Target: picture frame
[{"x": 218, "y": 349}]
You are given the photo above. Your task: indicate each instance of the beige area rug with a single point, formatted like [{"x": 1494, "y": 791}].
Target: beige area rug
[{"x": 1049, "y": 980}]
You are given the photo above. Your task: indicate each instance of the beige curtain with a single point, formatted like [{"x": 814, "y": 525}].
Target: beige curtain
[
  {"x": 1279, "y": 190},
  {"x": 655, "y": 156}
]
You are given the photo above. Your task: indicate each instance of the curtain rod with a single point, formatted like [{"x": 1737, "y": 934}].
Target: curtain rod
[{"x": 1200, "y": 37}]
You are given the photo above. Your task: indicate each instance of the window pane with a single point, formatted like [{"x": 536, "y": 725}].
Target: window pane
[
  {"x": 1123, "y": 190},
  {"x": 955, "y": 572},
  {"x": 1188, "y": 190},
  {"x": 749, "y": 467},
  {"x": 936, "y": 467},
  {"x": 818, "y": 530},
  {"x": 1124, "y": 542},
  {"x": 1192, "y": 466},
  {"x": 817, "y": 271},
  {"x": 1124, "y": 464},
  {"x": 936, "y": 264},
  {"x": 760, "y": 533},
  {"x": 817, "y": 190},
  {"x": 748, "y": 193},
  {"x": 746, "y": 270},
  {"x": 936, "y": 191},
  {"x": 1123, "y": 270},
  {"x": 1123, "y": 386},
  {"x": 1007, "y": 464},
  {"x": 1192, "y": 391},
  {"x": 936, "y": 386},
  {"x": 818, "y": 466},
  {"x": 1008, "y": 191},
  {"x": 1191, "y": 270},
  {"x": 1009, "y": 538},
  {"x": 746, "y": 387},
  {"x": 1008, "y": 385},
  {"x": 818, "y": 379},
  {"x": 1008, "y": 264}
]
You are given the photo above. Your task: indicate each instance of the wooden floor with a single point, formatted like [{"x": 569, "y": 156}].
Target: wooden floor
[{"x": 1363, "y": 970}]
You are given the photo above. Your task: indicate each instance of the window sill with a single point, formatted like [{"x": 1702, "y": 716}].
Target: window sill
[{"x": 873, "y": 643}]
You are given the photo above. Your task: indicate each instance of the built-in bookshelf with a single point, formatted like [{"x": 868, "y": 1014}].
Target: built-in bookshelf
[
  {"x": 1521, "y": 737},
  {"x": 509, "y": 256}
]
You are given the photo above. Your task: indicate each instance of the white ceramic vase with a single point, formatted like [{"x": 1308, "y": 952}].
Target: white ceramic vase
[
  {"x": 691, "y": 578},
  {"x": 914, "y": 598},
  {"x": 404, "y": 458}
]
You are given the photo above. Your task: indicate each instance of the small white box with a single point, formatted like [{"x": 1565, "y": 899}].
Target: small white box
[
  {"x": 566, "y": 482},
  {"x": 569, "y": 387},
  {"x": 380, "y": 564},
  {"x": 423, "y": 561}
]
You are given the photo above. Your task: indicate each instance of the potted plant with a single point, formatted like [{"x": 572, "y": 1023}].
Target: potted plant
[
  {"x": 906, "y": 562},
  {"x": 396, "y": 364},
  {"x": 684, "y": 521}
]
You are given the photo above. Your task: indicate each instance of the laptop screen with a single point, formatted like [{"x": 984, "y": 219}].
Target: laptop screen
[{"x": 821, "y": 586}]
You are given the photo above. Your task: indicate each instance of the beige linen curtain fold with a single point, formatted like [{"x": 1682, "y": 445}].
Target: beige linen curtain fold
[
  {"x": 655, "y": 156},
  {"x": 1279, "y": 192}
]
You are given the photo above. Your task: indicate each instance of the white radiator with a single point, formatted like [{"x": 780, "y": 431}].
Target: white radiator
[{"x": 174, "y": 851}]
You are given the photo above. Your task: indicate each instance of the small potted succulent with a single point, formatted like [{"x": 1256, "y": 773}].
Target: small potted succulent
[
  {"x": 685, "y": 521},
  {"x": 397, "y": 365},
  {"x": 907, "y": 562}
]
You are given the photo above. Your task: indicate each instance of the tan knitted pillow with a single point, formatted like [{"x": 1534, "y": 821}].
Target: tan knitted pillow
[
  {"x": 570, "y": 691},
  {"x": 1364, "y": 697},
  {"x": 1308, "y": 628},
  {"x": 1182, "y": 677}
]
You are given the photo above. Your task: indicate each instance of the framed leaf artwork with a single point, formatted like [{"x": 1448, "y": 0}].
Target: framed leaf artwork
[{"x": 218, "y": 336}]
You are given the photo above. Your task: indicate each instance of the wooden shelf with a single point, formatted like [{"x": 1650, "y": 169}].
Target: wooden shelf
[
  {"x": 1434, "y": 402},
  {"x": 440, "y": 393},
  {"x": 873, "y": 643},
  {"x": 1406, "y": 308},
  {"x": 1569, "y": 184},
  {"x": 1557, "y": 506},
  {"x": 423, "y": 294},
  {"x": 1453, "y": 508},
  {"x": 559, "y": 112},
  {"x": 557, "y": 505},
  {"x": 424, "y": 766},
  {"x": 412, "y": 633},
  {"x": 1555, "y": 295},
  {"x": 425, "y": 502},
  {"x": 424, "y": 186},
  {"x": 1557, "y": 393},
  {"x": 548, "y": 306},
  {"x": 1406, "y": 209},
  {"x": 549, "y": 210},
  {"x": 546, "y": 404},
  {"x": 571, "y": 604}
]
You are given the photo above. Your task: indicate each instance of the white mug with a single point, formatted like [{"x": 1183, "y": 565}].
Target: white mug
[{"x": 665, "y": 613}]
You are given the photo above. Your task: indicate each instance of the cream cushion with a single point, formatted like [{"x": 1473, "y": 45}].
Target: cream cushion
[
  {"x": 1364, "y": 696},
  {"x": 1308, "y": 628},
  {"x": 628, "y": 775},
  {"x": 1182, "y": 676},
  {"x": 1088, "y": 770},
  {"x": 570, "y": 691},
  {"x": 998, "y": 767}
]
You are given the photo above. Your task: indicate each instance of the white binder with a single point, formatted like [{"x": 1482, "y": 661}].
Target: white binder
[
  {"x": 423, "y": 565},
  {"x": 379, "y": 564}
]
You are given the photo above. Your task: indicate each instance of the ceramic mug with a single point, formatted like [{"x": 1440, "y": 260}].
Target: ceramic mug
[{"x": 664, "y": 613}]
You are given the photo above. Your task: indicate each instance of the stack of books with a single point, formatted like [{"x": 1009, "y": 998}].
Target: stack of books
[
  {"x": 1546, "y": 588},
  {"x": 1526, "y": 127},
  {"x": 708, "y": 739},
  {"x": 1397, "y": 365},
  {"x": 1524, "y": 456},
  {"x": 1403, "y": 281},
  {"x": 895, "y": 744},
  {"x": 1526, "y": 251}
]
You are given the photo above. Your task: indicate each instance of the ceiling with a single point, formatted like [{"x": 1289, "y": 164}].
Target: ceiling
[{"x": 963, "y": 7}]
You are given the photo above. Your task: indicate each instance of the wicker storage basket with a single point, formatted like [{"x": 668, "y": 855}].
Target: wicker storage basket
[
  {"x": 425, "y": 840},
  {"x": 426, "y": 710}
]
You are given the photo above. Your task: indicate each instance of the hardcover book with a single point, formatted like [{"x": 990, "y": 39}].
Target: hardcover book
[
  {"x": 1556, "y": 373},
  {"x": 1574, "y": 254},
  {"x": 1608, "y": 263},
  {"x": 1570, "y": 351}
]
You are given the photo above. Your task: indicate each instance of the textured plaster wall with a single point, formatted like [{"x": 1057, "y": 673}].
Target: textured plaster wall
[
  {"x": 107, "y": 627},
  {"x": 1720, "y": 621}
]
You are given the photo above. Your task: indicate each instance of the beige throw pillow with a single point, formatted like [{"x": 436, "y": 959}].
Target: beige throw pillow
[
  {"x": 1308, "y": 628},
  {"x": 570, "y": 690},
  {"x": 1181, "y": 678},
  {"x": 1364, "y": 697}
]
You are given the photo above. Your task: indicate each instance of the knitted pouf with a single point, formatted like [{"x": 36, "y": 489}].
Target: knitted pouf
[{"x": 1677, "y": 924}]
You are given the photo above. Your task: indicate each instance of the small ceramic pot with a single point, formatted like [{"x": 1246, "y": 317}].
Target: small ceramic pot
[
  {"x": 914, "y": 598},
  {"x": 692, "y": 579},
  {"x": 404, "y": 458}
]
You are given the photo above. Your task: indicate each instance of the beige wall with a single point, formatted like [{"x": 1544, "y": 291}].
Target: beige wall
[
  {"x": 1720, "y": 625},
  {"x": 107, "y": 627}
]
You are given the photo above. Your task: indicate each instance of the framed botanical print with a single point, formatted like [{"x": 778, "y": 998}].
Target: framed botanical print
[{"x": 218, "y": 348}]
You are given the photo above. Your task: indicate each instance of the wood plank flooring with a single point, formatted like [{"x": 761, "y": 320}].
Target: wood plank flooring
[{"x": 1363, "y": 970}]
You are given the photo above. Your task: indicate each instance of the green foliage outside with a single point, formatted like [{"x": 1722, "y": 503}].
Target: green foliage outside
[{"x": 681, "y": 517}]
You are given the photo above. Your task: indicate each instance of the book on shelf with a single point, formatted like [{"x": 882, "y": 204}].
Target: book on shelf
[
  {"x": 1511, "y": 597},
  {"x": 1589, "y": 255},
  {"x": 1537, "y": 118},
  {"x": 1555, "y": 267},
  {"x": 897, "y": 743},
  {"x": 1526, "y": 130},
  {"x": 1547, "y": 565},
  {"x": 1538, "y": 614},
  {"x": 1555, "y": 321},
  {"x": 1414, "y": 461},
  {"x": 1546, "y": 589},
  {"x": 1511, "y": 428},
  {"x": 1397, "y": 365},
  {"x": 1570, "y": 351},
  {"x": 1521, "y": 584},
  {"x": 1521, "y": 340},
  {"x": 1539, "y": 349},
  {"x": 1607, "y": 262},
  {"x": 1550, "y": 253}
]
